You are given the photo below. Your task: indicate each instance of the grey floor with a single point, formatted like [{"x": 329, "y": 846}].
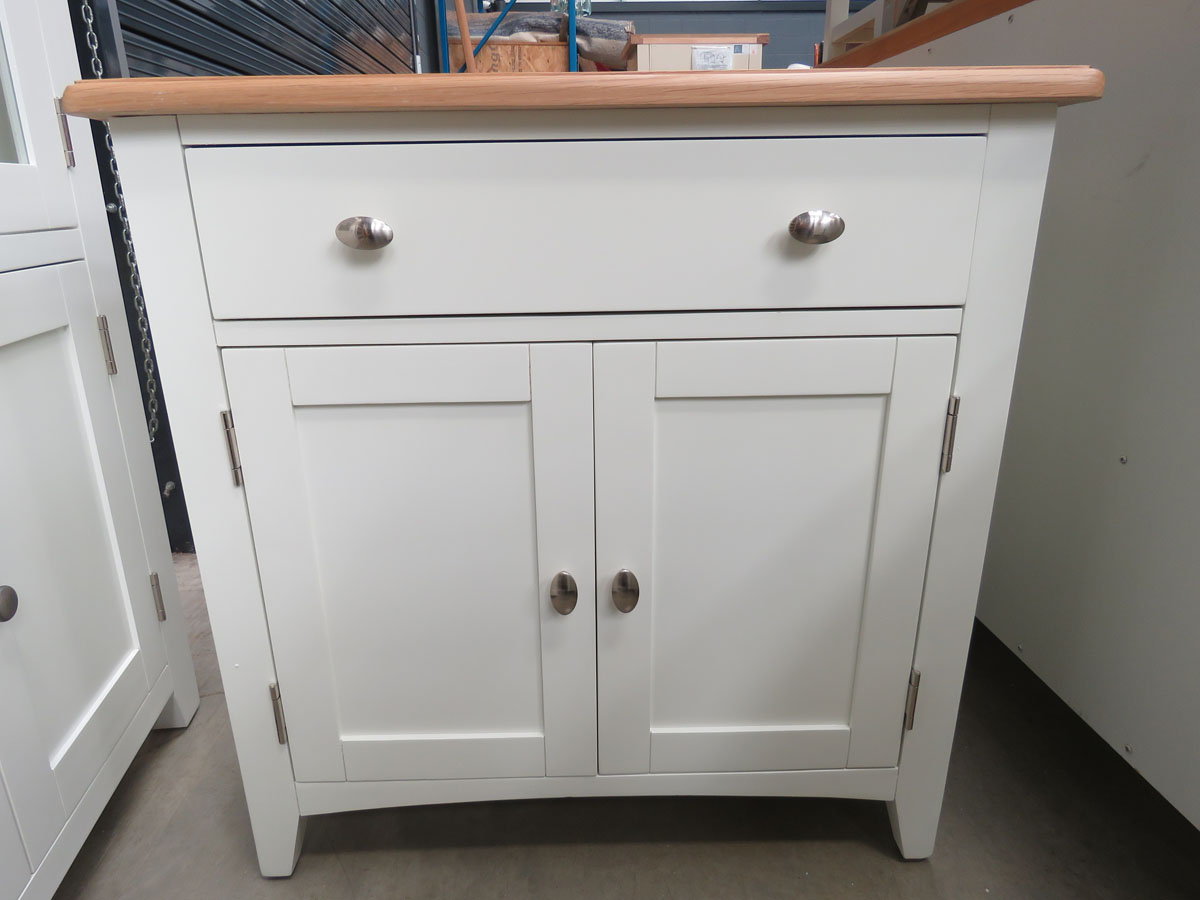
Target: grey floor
[{"x": 1036, "y": 807}]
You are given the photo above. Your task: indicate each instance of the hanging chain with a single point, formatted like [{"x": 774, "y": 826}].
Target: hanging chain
[{"x": 149, "y": 374}]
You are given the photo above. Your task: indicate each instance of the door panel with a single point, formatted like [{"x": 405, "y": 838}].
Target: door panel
[
  {"x": 399, "y": 501},
  {"x": 774, "y": 499},
  {"x": 80, "y": 655}
]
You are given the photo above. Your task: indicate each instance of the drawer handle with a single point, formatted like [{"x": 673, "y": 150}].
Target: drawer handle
[
  {"x": 625, "y": 591},
  {"x": 817, "y": 226},
  {"x": 364, "y": 233},
  {"x": 8, "y": 603},
  {"x": 564, "y": 593}
]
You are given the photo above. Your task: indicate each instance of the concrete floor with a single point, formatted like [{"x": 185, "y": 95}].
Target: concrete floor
[{"x": 1036, "y": 807}]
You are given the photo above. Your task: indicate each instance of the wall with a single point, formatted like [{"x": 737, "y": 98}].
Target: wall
[{"x": 1094, "y": 560}]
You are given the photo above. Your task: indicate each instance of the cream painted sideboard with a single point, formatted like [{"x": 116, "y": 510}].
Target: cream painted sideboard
[{"x": 600, "y": 477}]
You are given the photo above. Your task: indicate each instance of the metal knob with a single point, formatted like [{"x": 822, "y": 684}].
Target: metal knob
[
  {"x": 817, "y": 226},
  {"x": 8, "y": 603},
  {"x": 564, "y": 593},
  {"x": 625, "y": 591},
  {"x": 364, "y": 233}
]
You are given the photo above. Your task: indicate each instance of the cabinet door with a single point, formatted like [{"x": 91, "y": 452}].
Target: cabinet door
[
  {"x": 774, "y": 500},
  {"x": 410, "y": 506},
  {"x": 79, "y": 657},
  {"x": 14, "y": 866},
  {"x": 33, "y": 172}
]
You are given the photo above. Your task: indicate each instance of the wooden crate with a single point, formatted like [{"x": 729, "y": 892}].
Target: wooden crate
[{"x": 504, "y": 56}]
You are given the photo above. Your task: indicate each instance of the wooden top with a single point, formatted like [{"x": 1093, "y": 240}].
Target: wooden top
[
  {"x": 699, "y": 38},
  {"x": 103, "y": 99}
]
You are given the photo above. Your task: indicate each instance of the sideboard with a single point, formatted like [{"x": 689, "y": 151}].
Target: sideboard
[{"x": 593, "y": 434}]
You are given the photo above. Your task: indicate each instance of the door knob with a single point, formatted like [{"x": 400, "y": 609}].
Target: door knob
[
  {"x": 8, "y": 603},
  {"x": 625, "y": 591},
  {"x": 364, "y": 233},
  {"x": 817, "y": 226},
  {"x": 564, "y": 593}
]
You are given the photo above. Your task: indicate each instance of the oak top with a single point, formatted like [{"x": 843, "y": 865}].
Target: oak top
[{"x": 108, "y": 98}]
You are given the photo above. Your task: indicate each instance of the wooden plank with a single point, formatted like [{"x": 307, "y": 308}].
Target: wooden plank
[
  {"x": 699, "y": 39},
  {"x": 923, "y": 29},
  {"x": 107, "y": 98}
]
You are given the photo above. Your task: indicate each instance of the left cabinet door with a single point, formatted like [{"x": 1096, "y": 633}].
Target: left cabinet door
[
  {"x": 33, "y": 168},
  {"x": 82, "y": 649},
  {"x": 410, "y": 507}
]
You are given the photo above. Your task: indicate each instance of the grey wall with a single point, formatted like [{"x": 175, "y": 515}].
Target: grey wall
[{"x": 1092, "y": 566}]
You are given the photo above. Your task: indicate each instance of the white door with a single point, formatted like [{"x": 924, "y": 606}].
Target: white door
[
  {"x": 33, "y": 178},
  {"x": 773, "y": 500},
  {"x": 410, "y": 508},
  {"x": 81, "y": 652},
  {"x": 14, "y": 865}
]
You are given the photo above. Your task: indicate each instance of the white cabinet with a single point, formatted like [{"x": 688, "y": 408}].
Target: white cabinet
[
  {"x": 750, "y": 430},
  {"x": 86, "y": 666},
  {"x": 82, "y": 653},
  {"x": 410, "y": 506}
]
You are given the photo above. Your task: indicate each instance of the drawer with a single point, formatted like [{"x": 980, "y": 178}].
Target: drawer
[{"x": 585, "y": 226}]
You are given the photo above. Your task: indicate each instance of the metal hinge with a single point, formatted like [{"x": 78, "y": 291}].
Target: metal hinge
[
  {"x": 65, "y": 133},
  {"x": 910, "y": 702},
  {"x": 277, "y": 706},
  {"x": 156, "y": 590},
  {"x": 110, "y": 361},
  {"x": 235, "y": 458},
  {"x": 949, "y": 433}
]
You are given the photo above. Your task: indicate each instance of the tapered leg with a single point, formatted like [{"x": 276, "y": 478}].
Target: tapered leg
[
  {"x": 914, "y": 825},
  {"x": 278, "y": 837}
]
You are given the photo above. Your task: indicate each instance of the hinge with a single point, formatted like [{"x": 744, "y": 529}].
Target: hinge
[
  {"x": 156, "y": 590},
  {"x": 110, "y": 361},
  {"x": 949, "y": 433},
  {"x": 910, "y": 702},
  {"x": 65, "y": 133},
  {"x": 235, "y": 458},
  {"x": 277, "y": 706}
]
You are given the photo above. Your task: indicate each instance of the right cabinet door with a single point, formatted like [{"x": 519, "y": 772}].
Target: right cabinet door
[{"x": 773, "y": 500}]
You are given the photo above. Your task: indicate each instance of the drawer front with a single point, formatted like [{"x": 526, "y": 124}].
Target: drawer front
[{"x": 585, "y": 226}]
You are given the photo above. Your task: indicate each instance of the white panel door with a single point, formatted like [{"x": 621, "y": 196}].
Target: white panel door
[
  {"x": 80, "y": 654},
  {"x": 410, "y": 506},
  {"x": 14, "y": 865},
  {"x": 774, "y": 500},
  {"x": 33, "y": 175}
]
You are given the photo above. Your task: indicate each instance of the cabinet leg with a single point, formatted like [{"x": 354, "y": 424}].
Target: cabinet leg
[
  {"x": 277, "y": 840},
  {"x": 915, "y": 824},
  {"x": 179, "y": 710}
]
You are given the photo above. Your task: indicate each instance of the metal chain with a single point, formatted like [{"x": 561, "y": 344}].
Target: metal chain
[{"x": 149, "y": 374}]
